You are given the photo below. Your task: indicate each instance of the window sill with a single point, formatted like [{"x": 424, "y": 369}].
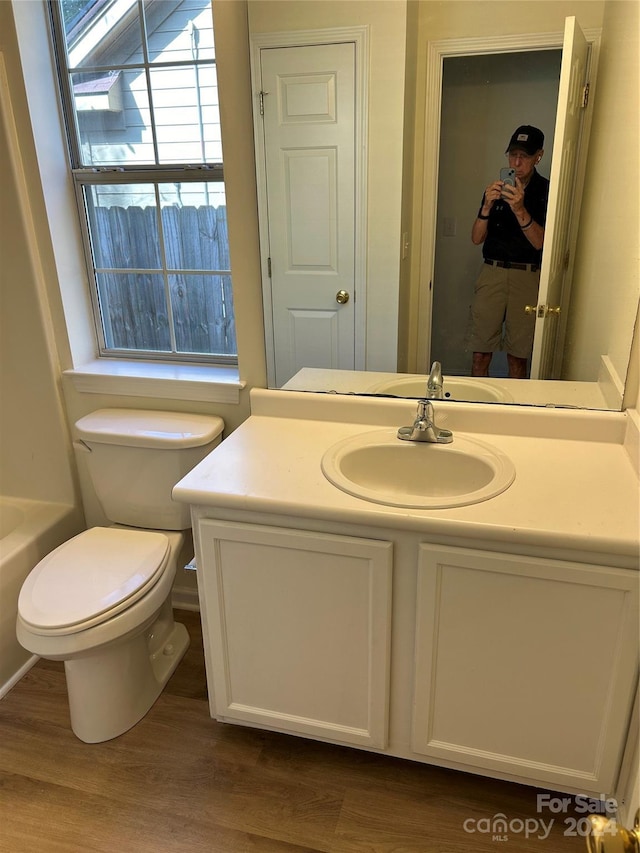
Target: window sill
[{"x": 195, "y": 382}]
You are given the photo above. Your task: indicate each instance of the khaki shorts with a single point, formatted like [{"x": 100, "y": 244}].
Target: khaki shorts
[{"x": 500, "y": 297}]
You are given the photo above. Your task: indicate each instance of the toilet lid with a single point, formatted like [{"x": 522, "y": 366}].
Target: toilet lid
[{"x": 92, "y": 577}]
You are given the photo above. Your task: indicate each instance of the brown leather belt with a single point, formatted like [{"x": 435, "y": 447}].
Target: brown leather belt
[{"x": 512, "y": 265}]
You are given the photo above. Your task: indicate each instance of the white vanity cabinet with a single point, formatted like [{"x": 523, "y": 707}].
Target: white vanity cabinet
[
  {"x": 297, "y": 630},
  {"x": 524, "y": 666},
  {"x": 497, "y": 637},
  {"x": 516, "y": 667}
]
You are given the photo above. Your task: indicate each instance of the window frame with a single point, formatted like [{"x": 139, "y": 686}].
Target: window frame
[{"x": 84, "y": 177}]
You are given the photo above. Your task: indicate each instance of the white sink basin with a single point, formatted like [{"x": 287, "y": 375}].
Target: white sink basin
[
  {"x": 380, "y": 467},
  {"x": 455, "y": 388}
]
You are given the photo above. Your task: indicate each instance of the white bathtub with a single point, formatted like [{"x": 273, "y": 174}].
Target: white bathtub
[{"x": 29, "y": 530}]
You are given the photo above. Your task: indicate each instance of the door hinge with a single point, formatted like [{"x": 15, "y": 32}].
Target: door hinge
[
  {"x": 585, "y": 95},
  {"x": 269, "y": 267},
  {"x": 261, "y": 95}
]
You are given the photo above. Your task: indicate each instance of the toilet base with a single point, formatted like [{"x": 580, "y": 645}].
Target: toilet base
[{"x": 113, "y": 688}]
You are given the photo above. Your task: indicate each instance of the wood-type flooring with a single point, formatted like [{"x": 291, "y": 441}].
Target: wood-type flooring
[{"x": 179, "y": 782}]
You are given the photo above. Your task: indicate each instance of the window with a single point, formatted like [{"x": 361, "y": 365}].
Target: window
[{"x": 139, "y": 92}]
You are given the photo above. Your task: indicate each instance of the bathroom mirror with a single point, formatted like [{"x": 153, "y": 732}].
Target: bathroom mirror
[{"x": 597, "y": 347}]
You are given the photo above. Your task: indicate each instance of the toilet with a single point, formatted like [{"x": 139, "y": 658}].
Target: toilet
[{"x": 101, "y": 602}]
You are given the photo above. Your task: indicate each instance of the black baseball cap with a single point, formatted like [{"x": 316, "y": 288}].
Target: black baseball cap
[{"x": 527, "y": 138}]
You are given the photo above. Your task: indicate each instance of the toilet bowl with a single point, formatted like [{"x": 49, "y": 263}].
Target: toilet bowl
[
  {"x": 101, "y": 602},
  {"x": 113, "y": 627}
]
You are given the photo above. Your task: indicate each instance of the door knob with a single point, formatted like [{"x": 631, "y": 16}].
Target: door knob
[
  {"x": 342, "y": 297},
  {"x": 605, "y": 836},
  {"x": 542, "y": 310}
]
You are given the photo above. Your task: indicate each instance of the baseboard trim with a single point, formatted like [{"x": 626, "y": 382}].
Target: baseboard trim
[
  {"x": 15, "y": 678},
  {"x": 185, "y": 599}
]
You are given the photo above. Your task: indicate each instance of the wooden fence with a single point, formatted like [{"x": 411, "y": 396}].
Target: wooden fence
[{"x": 134, "y": 304}]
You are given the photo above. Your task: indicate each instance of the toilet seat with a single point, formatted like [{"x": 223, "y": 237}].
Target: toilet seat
[{"x": 91, "y": 578}]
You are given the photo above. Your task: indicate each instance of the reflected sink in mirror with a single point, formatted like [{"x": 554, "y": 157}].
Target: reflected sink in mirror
[
  {"x": 379, "y": 467},
  {"x": 455, "y": 388}
]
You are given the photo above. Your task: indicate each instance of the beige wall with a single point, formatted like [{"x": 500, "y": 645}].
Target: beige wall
[
  {"x": 607, "y": 286},
  {"x": 410, "y": 190},
  {"x": 35, "y": 448},
  {"x": 236, "y": 117},
  {"x": 446, "y": 19}
]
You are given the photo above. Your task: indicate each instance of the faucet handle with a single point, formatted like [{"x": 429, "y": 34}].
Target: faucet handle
[
  {"x": 424, "y": 429},
  {"x": 425, "y": 412}
]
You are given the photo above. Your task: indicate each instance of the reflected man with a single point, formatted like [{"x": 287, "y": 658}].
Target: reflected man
[{"x": 510, "y": 226}]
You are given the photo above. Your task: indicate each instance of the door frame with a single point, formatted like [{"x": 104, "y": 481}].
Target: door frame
[
  {"x": 421, "y": 298},
  {"x": 359, "y": 37}
]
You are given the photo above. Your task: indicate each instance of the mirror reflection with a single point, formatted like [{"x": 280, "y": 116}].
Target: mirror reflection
[
  {"x": 466, "y": 389},
  {"x": 424, "y": 319},
  {"x": 496, "y": 327}
]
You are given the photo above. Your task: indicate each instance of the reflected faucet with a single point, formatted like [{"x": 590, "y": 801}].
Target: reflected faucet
[
  {"x": 424, "y": 429},
  {"x": 435, "y": 385}
]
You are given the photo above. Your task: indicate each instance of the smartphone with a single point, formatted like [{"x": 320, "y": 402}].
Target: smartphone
[{"x": 508, "y": 176}]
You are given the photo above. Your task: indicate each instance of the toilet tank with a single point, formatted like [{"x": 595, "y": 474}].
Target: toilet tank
[{"x": 136, "y": 457}]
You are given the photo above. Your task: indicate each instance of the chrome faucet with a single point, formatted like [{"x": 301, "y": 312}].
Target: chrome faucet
[
  {"x": 424, "y": 429},
  {"x": 435, "y": 385}
]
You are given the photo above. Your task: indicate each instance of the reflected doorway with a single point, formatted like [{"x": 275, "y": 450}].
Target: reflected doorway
[{"x": 484, "y": 98}]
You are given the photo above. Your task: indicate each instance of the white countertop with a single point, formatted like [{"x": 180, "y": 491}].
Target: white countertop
[{"x": 576, "y": 487}]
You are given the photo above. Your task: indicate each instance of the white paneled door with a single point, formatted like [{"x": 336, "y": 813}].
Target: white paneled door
[
  {"x": 553, "y": 295},
  {"x": 308, "y": 102}
]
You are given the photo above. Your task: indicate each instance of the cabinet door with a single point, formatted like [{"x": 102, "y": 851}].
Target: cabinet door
[
  {"x": 298, "y": 630},
  {"x": 525, "y": 666}
]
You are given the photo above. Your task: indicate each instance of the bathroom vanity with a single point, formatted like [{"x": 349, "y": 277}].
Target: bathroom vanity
[{"x": 498, "y": 637}]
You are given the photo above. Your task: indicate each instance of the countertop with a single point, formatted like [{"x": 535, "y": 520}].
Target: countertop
[{"x": 576, "y": 486}]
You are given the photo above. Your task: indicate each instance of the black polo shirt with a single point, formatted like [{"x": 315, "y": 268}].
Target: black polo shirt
[{"x": 505, "y": 239}]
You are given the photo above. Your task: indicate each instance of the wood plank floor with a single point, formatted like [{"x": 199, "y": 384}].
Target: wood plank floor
[{"x": 179, "y": 781}]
